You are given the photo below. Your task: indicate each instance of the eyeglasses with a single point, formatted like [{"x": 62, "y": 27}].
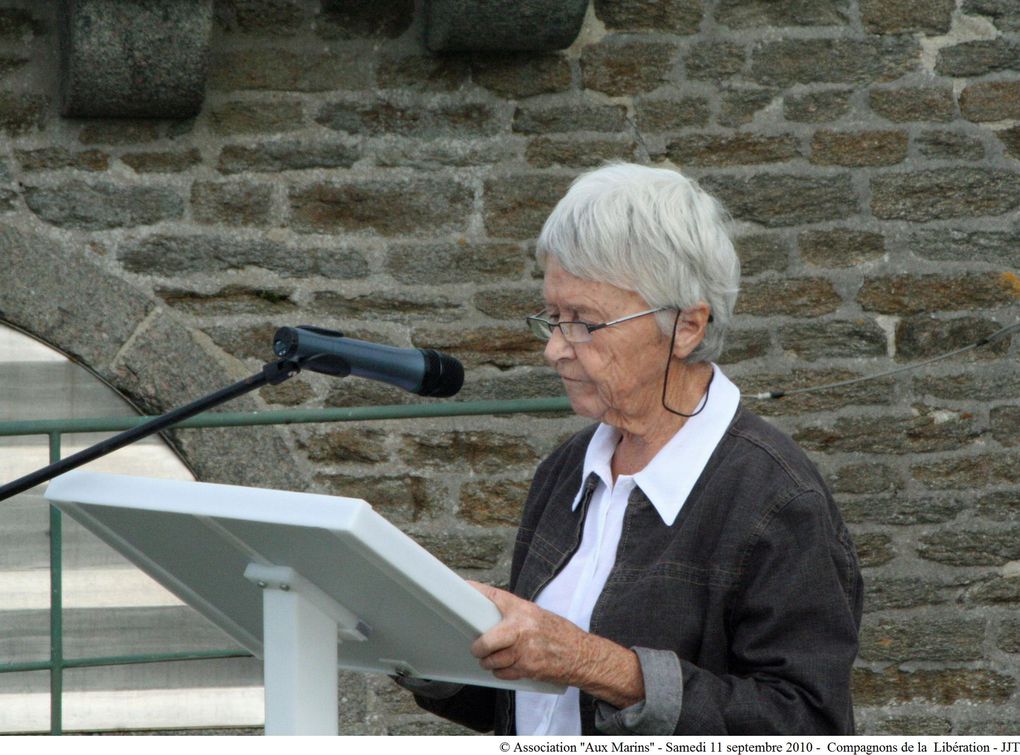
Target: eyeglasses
[{"x": 577, "y": 331}]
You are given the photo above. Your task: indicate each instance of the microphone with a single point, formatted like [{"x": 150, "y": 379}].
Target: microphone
[{"x": 426, "y": 372}]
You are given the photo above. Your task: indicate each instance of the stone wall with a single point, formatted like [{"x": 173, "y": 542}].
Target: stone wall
[{"x": 341, "y": 175}]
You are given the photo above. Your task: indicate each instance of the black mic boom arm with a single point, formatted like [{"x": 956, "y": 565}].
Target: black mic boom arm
[{"x": 271, "y": 374}]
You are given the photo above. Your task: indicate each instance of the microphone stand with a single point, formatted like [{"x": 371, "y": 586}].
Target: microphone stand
[{"x": 272, "y": 374}]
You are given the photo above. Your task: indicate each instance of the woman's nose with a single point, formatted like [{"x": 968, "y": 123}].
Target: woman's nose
[{"x": 558, "y": 347}]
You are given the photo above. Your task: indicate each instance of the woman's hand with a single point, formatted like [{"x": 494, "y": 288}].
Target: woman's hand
[{"x": 532, "y": 643}]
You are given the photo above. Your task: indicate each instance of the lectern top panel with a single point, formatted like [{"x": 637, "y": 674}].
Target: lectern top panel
[
  {"x": 197, "y": 539},
  {"x": 206, "y": 499}
]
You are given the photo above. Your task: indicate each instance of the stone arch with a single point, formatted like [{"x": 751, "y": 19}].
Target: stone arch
[{"x": 140, "y": 349}]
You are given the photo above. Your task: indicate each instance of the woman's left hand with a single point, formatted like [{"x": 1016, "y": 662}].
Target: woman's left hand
[{"x": 532, "y": 643}]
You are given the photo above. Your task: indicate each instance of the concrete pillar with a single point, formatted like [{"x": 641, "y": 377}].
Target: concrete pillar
[
  {"x": 462, "y": 25},
  {"x": 134, "y": 58}
]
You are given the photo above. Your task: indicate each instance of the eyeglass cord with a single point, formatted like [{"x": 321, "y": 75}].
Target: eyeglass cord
[{"x": 665, "y": 379}]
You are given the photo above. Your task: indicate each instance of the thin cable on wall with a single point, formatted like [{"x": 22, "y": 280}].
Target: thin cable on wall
[{"x": 997, "y": 335}]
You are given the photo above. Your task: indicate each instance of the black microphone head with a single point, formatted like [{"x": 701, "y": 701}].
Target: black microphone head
[{"x": 444, "y": 375}]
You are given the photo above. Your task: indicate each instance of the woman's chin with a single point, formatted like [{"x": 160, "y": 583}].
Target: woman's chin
[{"x": 584, "y": 404}]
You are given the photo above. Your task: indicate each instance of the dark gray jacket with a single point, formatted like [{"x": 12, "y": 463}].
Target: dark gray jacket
[{"x": 744, "y": 613}]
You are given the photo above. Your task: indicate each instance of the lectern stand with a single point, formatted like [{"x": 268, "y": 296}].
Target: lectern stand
[
  {"x": 300, "y": 629},
  {"x": 309, "y": 583}
]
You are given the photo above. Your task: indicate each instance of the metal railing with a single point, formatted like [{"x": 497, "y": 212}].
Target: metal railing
[{"x": 55, "y": 429}]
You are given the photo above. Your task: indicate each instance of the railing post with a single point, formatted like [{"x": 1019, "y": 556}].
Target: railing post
[{"x": 56, "y": 607}]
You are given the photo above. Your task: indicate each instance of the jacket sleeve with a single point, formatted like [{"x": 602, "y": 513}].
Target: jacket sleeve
[
  {"x": 793, "y": 628},
  {"x": 467, "y": 705}
]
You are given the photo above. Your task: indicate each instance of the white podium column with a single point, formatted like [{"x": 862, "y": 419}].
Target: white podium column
[
  {"x": 300, "y": 655},
  {"x": 300, "y": 666}
]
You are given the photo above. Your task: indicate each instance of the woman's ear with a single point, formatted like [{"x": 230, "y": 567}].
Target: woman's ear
[{"x": 690, "y": 329}]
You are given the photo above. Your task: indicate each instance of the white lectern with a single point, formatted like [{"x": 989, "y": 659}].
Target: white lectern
[{"x": 309, "y": 583}]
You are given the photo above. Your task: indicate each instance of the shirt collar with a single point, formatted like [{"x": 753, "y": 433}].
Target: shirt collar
[{"x": 670, "y": 476}]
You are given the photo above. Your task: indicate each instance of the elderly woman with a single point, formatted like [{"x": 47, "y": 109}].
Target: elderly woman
[{"x": 680, "y": 566}]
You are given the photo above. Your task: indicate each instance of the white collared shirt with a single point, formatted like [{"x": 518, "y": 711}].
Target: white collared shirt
[{"x": 667, "y": 480}]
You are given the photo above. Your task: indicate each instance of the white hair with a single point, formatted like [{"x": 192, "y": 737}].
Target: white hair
[{"x": 653, "y": 231}]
